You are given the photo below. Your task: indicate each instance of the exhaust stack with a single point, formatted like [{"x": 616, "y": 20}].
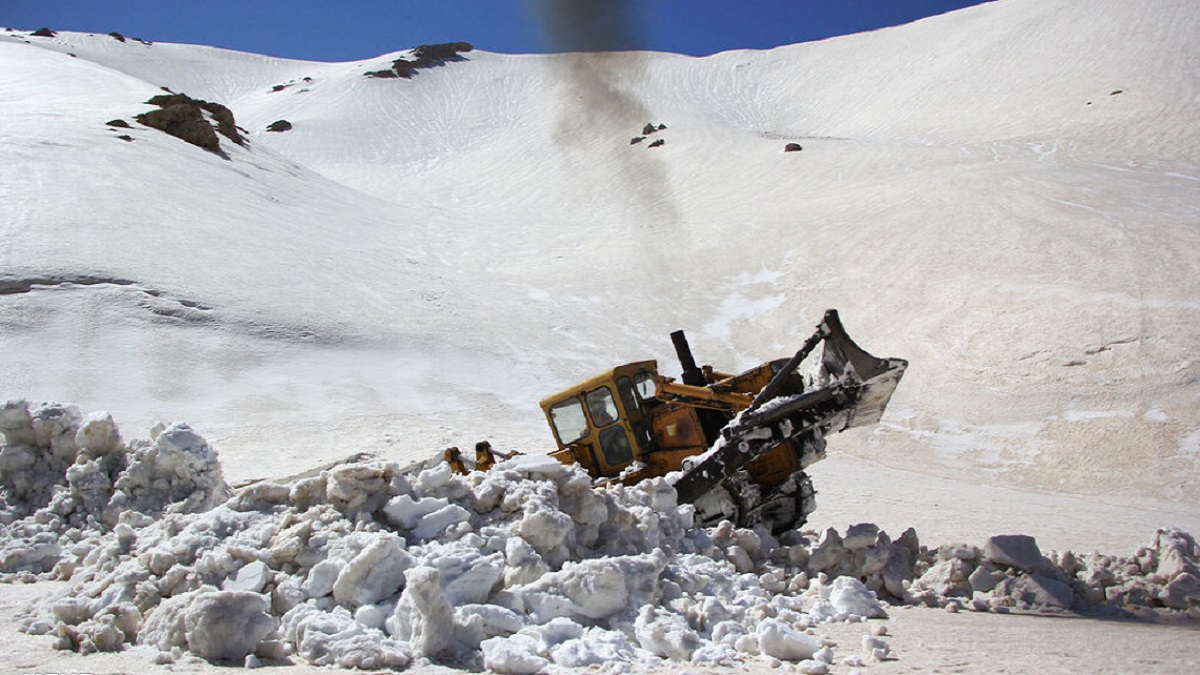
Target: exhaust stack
[{"x": 692, "y": 374}]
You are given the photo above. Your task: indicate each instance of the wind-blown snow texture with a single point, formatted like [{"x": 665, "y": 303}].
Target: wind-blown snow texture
[
  {"x": 371, "y": 565},
  {"x": 1005, "y": 196}
]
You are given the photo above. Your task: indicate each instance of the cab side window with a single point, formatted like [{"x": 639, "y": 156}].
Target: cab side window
[
  {"x": 644, "y": 382},
  {"x": 601, "y": 407}
]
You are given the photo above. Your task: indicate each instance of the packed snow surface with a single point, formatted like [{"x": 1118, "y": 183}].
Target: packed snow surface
[{"x": 374, "y": 565}]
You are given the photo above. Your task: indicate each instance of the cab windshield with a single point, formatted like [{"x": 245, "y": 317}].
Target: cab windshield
[{"x": 569, "y": 422}]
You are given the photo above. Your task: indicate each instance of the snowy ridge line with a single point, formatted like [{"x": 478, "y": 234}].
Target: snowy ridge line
[{"x": 369, "y": 565}]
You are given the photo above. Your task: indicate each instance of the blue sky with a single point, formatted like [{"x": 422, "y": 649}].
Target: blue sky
[{"x": 346, "y": 30}]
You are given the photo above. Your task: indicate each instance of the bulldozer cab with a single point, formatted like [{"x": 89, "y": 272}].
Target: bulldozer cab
[{"x": 603, "y": 423}]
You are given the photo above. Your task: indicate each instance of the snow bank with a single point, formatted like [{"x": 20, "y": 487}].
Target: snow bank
[
  {"x": 65, "y": 477},
  {"x": 374, "y": 565}
]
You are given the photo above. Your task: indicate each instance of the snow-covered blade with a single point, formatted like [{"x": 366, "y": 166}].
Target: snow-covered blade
[
  {"x": 853, "y": 390},
  {"x": 873, "y": 379}
]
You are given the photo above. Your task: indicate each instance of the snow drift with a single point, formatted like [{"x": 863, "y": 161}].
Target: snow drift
[{"x": 373, "y": 565}]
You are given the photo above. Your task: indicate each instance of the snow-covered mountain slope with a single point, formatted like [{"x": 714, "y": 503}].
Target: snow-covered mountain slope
[{"x": 1006, "y": 195}]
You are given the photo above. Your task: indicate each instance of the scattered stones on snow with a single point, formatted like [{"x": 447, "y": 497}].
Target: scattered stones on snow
[
  {"x": 373, "y": 565},
  {"x": 648, "y": 129},
  {"x": 291, "y": 83}
]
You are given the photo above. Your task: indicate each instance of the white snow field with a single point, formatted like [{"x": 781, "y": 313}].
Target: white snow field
[{"x": 1008, "y": 196}]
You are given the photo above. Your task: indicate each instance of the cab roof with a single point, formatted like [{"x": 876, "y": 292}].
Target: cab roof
[{"x": 598, "y": 380}]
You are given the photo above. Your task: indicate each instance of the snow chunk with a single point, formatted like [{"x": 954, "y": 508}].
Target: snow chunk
[
  {"x": 595, "y": 589},
  {"x": 1182, "y": 592},
  {"x": 432, "y": 524},
  {"x": 335, "y": 638},
  {"x": 374, "y": 574},
  {"x": 846, "y": 598},
  {"x": 778, "y": 639},
  {"x": 227, "y": 625},
  {"x": 404, "y": 511},
  {"x": 179, "y": 473},
  {"x": 423, "y": 617},
  {"x": 513, "y": 655},
  {"x": 251, "y": 578},
  {"x": 596, "y": 647},
  {"x": 861, "y": 536},
  {"x": 1013, "y": 550},
  {"x": 665, "y": 634}
]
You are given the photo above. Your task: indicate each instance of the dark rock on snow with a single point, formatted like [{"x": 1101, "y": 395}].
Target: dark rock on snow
[
  {"x": 424, "y": 56},
  {"x": 183, "y": 117}
]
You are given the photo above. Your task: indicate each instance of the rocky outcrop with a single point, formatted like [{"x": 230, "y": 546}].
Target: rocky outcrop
[
  {"x": 185, "y": 118},
  {"x": 424, "y": 56}
]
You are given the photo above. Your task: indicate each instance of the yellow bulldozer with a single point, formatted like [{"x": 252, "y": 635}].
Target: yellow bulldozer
[{"x": 736, "y": 446}]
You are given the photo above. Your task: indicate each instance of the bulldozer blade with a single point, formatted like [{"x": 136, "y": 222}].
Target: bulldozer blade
[
  {"x": 876, "y": 378},
  {"x": 854, "y": 391}
]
